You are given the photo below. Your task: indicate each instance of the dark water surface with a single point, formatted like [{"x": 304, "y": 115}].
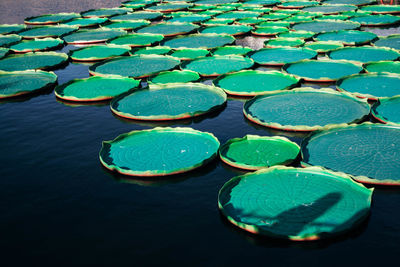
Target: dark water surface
[{"x": 58, "y": 206}]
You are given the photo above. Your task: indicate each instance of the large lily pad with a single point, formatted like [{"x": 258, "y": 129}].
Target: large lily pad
[{"x": 34, "y": 60}]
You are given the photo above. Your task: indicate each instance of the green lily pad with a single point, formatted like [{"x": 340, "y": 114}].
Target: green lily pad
[
  {"x": 137, "y": 66},
  {"x": 9, "y": 39},
  {"x": 253, "y": 82},
  {"x": 254, "y": 152},
  {"x": 51, "y": 18},
  {"x": 305, "y": 109},
  {"x": 47, "y": 31},
  {"x": 176, "y": 76},
  {"x": 95, "y": 88},
  {"x": 215, "y": 2},
  {"x": 297, "y": 4},
  {"x": 217, "y": 65},
  {"x": 387, "y": 110},
  {"x": 269, "y": 30},
  {"x": 4, "y": 52},
  {"x": 136, "y": 39},
  {"x": 205, "y": 41},
  {"x": 319, "y": 26},
  {"x": 297, "y": 34},
  {"x": 250, "y": 21},
  {"x": 105, "y": 12},
  {"x": 156, "y": 50},
  {"x": 274, "y": 23},
  {"x": 146, "y": 15},
  {"x": 333, "y": 17},
  {"x": 196, "y": 18},
  {"x": 227, "y": 29},
  {"x": 159, "y": 151},
  {"x": 238, "y": 15},
  {"x": 169, "y": 101},
  {"x": 323, "y": 47},
  {"x": 298, "y": 18},
  {"x": 263, "y": 2},
  {"x": 382, "y": 9},
  {"x": 11, "y": 28},
  {"x": 189, "y": 54},
  {"x": 279, "y": 42},
  {"x": 86, "y": 22},
  {"x": 32, "y": 61},
  {"x": 281, "y": 55},
  {"x": 178, "y": 14},
  {"x": 201, "y": 7},
  {"x": 37, "y": 45},
  {"x": 347, "y": 37},
  {"x": 275, "y": 16},
  {"x": 272, "y": 202},
  {"x": 231, "y": 50},
  {"x": 383, "y": 66},
  {"x": 330, "y": 9},
  {"x": 127, "y": 24},
  {"x": 168, "y": 7},
  {"x": 371, "y": 85},
  {"x": 169, "y": 29},
  {"x": 322, "y": 70},
  {"x": 376, "y": 20},
  {"x": 344, "y": 149},
  {"x": 353, "y": 2},
  {"x": 16, "y": 83},
  {"x": 212, "y": 22},
  {"x": 391, "y": 41},
  {"x": 99, "y": 52},
  {"x": 92, "y": 36},
  {"x": 364, "y": 54}
]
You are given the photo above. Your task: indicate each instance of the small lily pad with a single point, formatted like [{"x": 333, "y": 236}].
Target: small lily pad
[
  {"x": 231, "y": 50},
  {"x": 176, "y": 76},
  {"x": 323, "y": 47},
  {"x": 136, "y": 39}
]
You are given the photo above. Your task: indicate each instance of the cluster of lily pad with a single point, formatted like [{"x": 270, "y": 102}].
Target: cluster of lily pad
[{"x": 151, "y": 58}]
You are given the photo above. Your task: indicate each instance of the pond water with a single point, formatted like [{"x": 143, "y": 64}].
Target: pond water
[{"x": 59, "y": 206}]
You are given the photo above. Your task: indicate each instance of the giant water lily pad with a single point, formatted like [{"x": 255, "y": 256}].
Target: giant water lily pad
[
  {"x": 364, "y": 54},
  {"x": 195, "y": 18},
  {"x": 295, "y": 203},
  {"x": 176, "y": 76},
  {"x": 322, "y": 70},
  {"x": 9, "y": 39},
  {"x": 51, "y": 18},
  {"x": 347, "y": 37},
  {"x": 368, "y": 152},
  {"x": 189, "y": 53},
  {"x": 37, "y": 45},
  {"x": 16, "y": 83},
  {"x": 147, "y": 15},
  {"x": 297, "y": 4},
  {"x": 34, "y": 60},
  {"x": 371, "y": 85},
  {"x": 137, "y": 66},
  {"x": 387, "y": 110},
  {"x": 217, "y": 65},
  {"x": 391, "y": 41},
  {"x": 137, "y": 39},
  {"x": 254, "y": 152},
  {"x": 284, "y": 42},
  {"x": 231, "y": 50},
  {"x": 105, "y": 12},
  {"x": 238, "y": 15},
  {"x": 296, "y": 34},
  {"x": 353, "y": 2},
  {"x": 159, "y": 151},
  {"x": 383, "y": 66},
  {"x": 155, "y": 50},
  {"x": 227, "y": 29},
  {"x": 305, "y": 109},
  {"x": 169, "y": 101},
  {"x": 382, "y": 9},
  {"x": 47, "y": 31},
  {"x": 281, "y": 55},
  {"x": 168, "y": 7},
  {"x": 11, "y": 28},
  {"x": 253, "y": 82},
  {"x": 169, "y": 29},
  {"x": 86, "y": 22},
  {"x": 330, "y": 9},
  {"x": 323, "y": 47},
  {"x": 4, "y": 52},
  {"x": 269, "y": 30},
  {"x": 95, "y": 88},
  {"x": 99, "y": 52},
  {"x": 206, "y": 41},
  {"x": 92, "y": 36},
  {"x": 127, "y": 25},
  {"x": 376, "y": 20},
  {"x": 319, "y": 26}
]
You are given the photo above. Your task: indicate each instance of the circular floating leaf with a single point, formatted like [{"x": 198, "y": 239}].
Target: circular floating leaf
[
  {"x": 35, "y": 60},
  {"x": 387, "y": 110},
  {"x": 137, "y": 66},
  {"x": 269, "y": 30},
  {"x": 231, "y": 50},
  {"x": 254, "y": 152},
  {"x": 51, "y": 18},
  {"x": 99, "y": 52},
  {"x": 85, "y": 22},
  {"x": 156, "y": 50},
  {"x": 330, "y": 9},
  {"x": 280, "y": 23},
  {"x": 47, "y": 31},
  {"x": 371, "y": 85},
  {"x": 322, "y": 70},
  {"x": 176, "y": 76},
  {"x": 347, "y": 37},
  {"x": 305, "y": 109},
  {"x": 227, "y": 29},
  {"x": 275, "y": 16},
  {"x": 16, "y": 83},
  {"x": 189, "y": 54},
  {"x": 137, "y": 39},
  {"x": 159, "y": 151},
  {"x": 138, "y": 15},
  {"x": 169, "y": 29},
  {"x": 368, "y": 152},
  {"x": 37, "y": 45},
  {"x": 297, "y": 34},
  {"x": 206, "y": 41},
  {"x": 273, "y": 202},
  {"x": 212, "y": 22},
  {"x": 391, "y": 41},
  {"x": 11, "y": 28},
  {"x": 168, "y": 7},
  {"x": 189, "y": 19},
  {"x": 382, "y": 9},
  {"x": 280, "y": 42},
  {"x": 249, "y": 21},
  {"x": 297, "y": 4},
  {"x": 319, "y": 26},
  {"x": 364, "y": 54},
  {"x": 217, "y": 65},
  {"x": 333, "y": 17},
  {"x": 4, "y": 52},
  {"x": 127, "y": 24},
  {"x": 170, "y": 101},
  {"x": 263, "y": 2},
  {"x": 92, "y": 36},
  {"x": 376, "y": 20},
  {"x": 95, "y": 88},
  {"x": 298, "y": 18},
  {"x": 238, "y": 15},
  {"x": 323, "y": 47},
  {"x": 253, "y": 82},
  {"x": 383, "y": 66},
  {"x": 281, "y": 55},
  {"x": 215, "y": 2},
  {"x": 105, "y": 12},
  {"x": 9, "y": 39},
  {"x": 353, "y": 2}
]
